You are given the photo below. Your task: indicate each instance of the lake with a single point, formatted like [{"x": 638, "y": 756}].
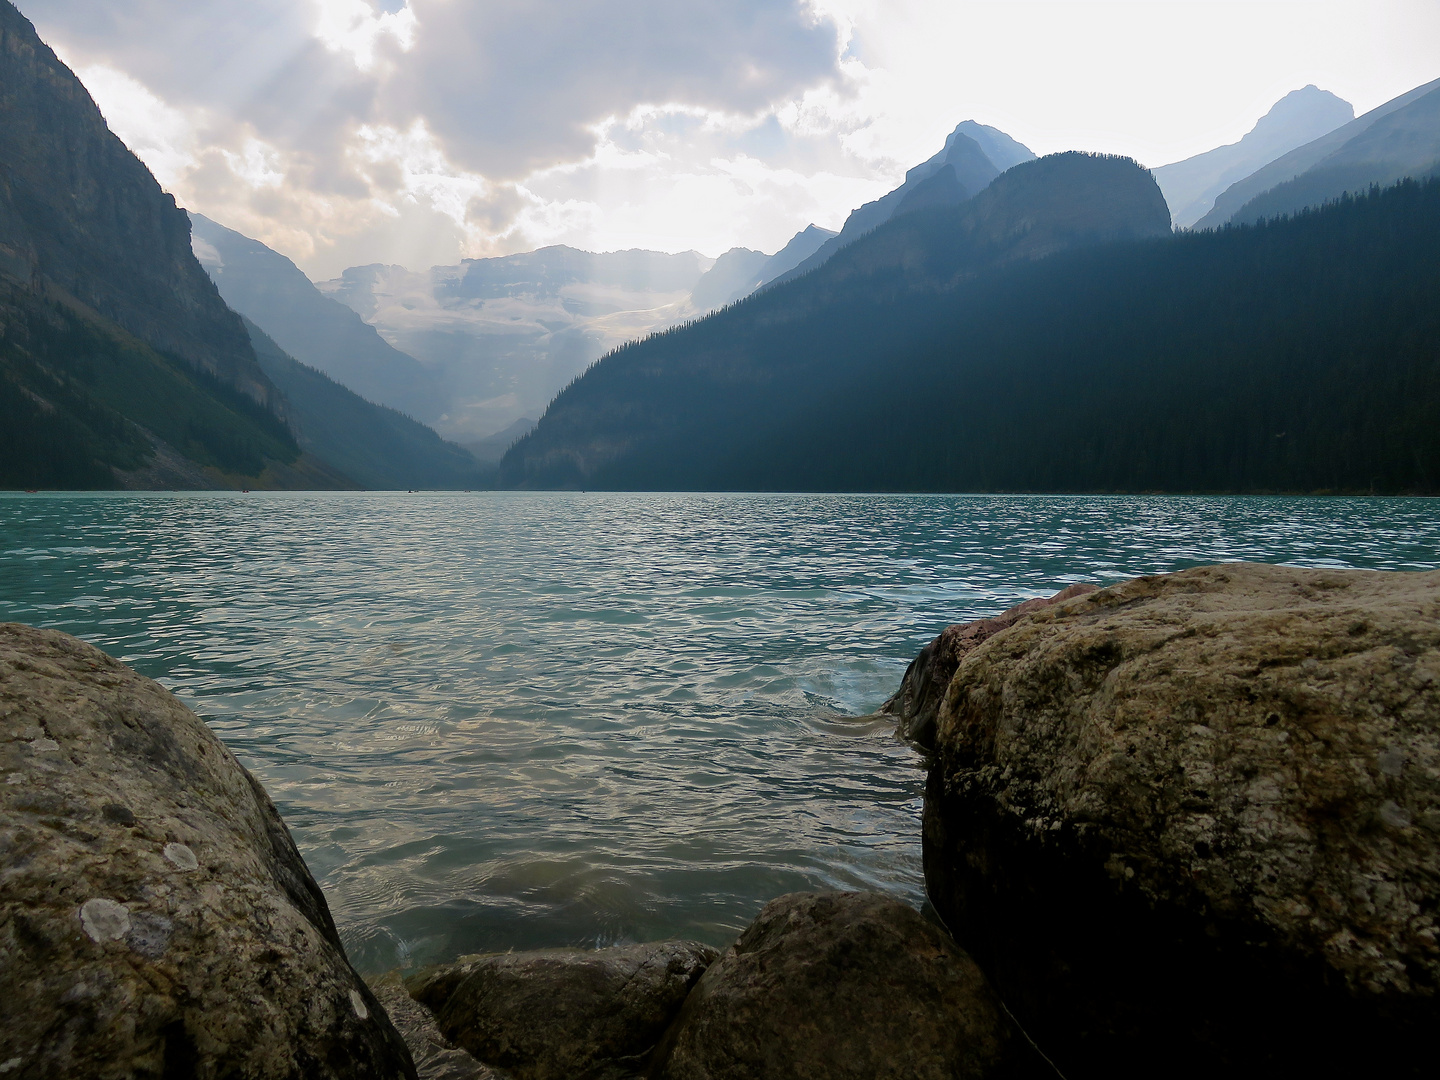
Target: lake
[{"x": 499, "y": 720}]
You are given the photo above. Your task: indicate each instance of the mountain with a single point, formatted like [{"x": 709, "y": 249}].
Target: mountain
[
  {"x": 119, "y": 362},
  {"x": 801, "y": 246},
  {"x": 1350, "y": 158},
  {"x": 974, "y": 154},
  {"x": 1299, "y": 355},
  {"x": 1301, "y": 116},
  {"x": 492, "y": 448},
  {"x": 374, "y": 446},
  {"x": 677, "y": 409},
  {"x": 275, "y": 294},
  {"x": 86, "y": 404},
  {"x": 503, "y": 335},
  {"x": 732, "y": 277},
  {"x": 1405, "y": 143},
  {"x": 79, "y": 211}
]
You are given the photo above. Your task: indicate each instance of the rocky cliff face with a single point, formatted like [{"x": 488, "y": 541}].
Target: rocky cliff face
[
  {"x": 80, "y": 213},
  {"x": 1190, "y": 825}
]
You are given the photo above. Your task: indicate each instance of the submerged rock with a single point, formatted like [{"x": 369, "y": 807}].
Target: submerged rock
[
  {"x": 1190, "y": 825},
  {"x": 916, "y": 705},
  {"x": 155, "y": 917},
  {"x": 824, "y": 986},
  {"x": 563, "y": 1014}
]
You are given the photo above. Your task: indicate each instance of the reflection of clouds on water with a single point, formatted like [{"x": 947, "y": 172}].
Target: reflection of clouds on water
[{"x": 499, "y": 720}]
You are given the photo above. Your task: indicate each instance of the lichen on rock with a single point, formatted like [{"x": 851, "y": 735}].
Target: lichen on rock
[
  {"x": 155, "y": 917},
  {"x": 1195, "y": 818},
  {"x": 563, "y": 1014},
  {"x": 825, "y": 986},
  {"x": 916, "y": 705}
]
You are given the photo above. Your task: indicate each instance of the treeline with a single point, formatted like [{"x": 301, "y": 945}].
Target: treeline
[
  {"x": 76, "y": 392},
  {"x": 1301, "y": 355},
  {"x": 374, "y": 446}
]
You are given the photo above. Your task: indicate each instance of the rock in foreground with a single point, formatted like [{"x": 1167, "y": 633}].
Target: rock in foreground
[
  {"x": 563, "y": 1014},
  {"x": 825, "y": 986},
  {"x": 1190, "y": 825},
  {"x": 155, "y": 917},
  {"x": 436, "y": 1057},
  {"x": 916, "y": 705}
]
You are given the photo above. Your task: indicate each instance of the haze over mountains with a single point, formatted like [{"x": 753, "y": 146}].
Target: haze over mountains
[
  {"x": 501, "y": 336},
  {"x": 973, "y": 155},
  {"x": 268, "y": 288},
  {"x": 120, "y": 363},
  {"x": 123, "y": 359},
  {"x": 1191, "y": 186},
  {"x": 1398, "y": 139}
]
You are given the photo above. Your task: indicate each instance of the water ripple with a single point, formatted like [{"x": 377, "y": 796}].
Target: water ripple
[{"x": 497, "y": 720}]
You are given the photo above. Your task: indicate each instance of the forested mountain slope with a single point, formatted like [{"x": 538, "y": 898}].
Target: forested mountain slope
[
  {"x": 81, "y": 213},
  {"x": 1340, "y": 148},
  {"x": 82, "y": 402},
  {"x": 119, "y": 363},
  {"x": 1298, "y": 355},
  {"x": 375, "y": 446},
  {"x": 675, "y": 401},
  {"x": 275, "y": 294}
]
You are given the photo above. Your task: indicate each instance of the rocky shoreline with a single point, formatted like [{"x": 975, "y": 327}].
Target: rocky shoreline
[{"x": 1186, "y": 825}]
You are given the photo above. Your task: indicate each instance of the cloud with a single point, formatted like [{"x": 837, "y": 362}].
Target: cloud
[
  {"x": 406, "y": 131},
  {"x": 311, "y": 123},
  {"x": 511, "y": 86}
]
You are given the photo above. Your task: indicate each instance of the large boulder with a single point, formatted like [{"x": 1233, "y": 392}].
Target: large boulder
[
  {"x": 563, "y": 1014},
  {"x": 916, "y": 705},
  {"x": 155, "y": 917},
  {"x": 828, "y": 986},
  {"x": 1190, "y": 825}
]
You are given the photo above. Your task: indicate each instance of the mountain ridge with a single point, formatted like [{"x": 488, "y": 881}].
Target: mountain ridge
[
  {"x": 710, "y": 371},
  {"x": 319, "y": 331},
  {"x": 972, "y": 169},
  {"x": 79, "y": 210},
  {"x": 1300, "y": 355},
  {"x": 1302, "y": 159},
  {"x": 1191, "y": 186}
]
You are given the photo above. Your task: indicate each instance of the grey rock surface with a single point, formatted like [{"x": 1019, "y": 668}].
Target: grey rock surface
[
  {"x": 825, "y": 986},
  {"x": 156, "y": 919},
  {"x": 916, "y": 705},
  {"x": 563, "y": 1014},
  {"x": 436, "y": 1057},
  {"x": 1194, "y": 819}
]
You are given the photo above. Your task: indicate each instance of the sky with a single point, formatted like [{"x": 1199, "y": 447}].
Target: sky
[{"x": 419, "y": 132}]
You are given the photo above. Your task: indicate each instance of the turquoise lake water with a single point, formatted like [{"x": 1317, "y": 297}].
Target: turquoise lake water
[{"x": 501, "y": 720}]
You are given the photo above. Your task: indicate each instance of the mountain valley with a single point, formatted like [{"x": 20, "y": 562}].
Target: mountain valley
[{"x": 140, "y": 347}]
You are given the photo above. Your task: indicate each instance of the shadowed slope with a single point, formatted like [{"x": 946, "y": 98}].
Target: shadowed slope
[{"x": 673, "y": 410}]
